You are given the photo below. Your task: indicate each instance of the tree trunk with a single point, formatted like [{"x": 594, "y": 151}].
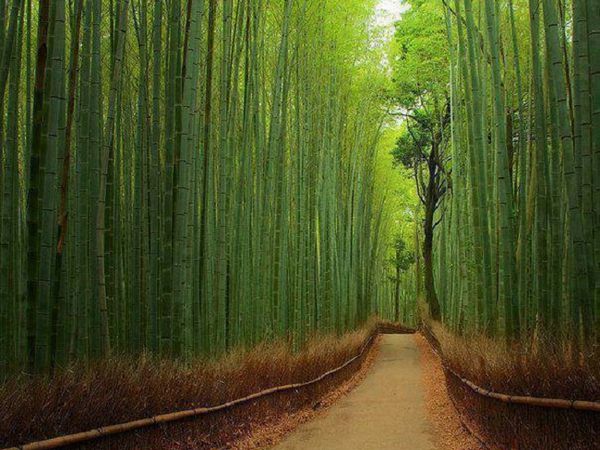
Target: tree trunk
[
  {"x": 430, "y": 294},
  {"x": 397, "y": 291}
]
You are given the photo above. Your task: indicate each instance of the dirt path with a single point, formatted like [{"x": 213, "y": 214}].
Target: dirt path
[{"x": 387, "y": 411}]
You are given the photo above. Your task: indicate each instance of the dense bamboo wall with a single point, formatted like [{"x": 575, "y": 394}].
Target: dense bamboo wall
[
  {"x": 182, "y": 177},
  {"x": 518, "y": 251}
]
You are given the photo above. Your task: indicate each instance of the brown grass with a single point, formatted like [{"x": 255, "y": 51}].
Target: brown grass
[
  {"x": 116, "y": 391},
  {"x": 530, "y": 370},
  {"x": 527, "y": 370}
]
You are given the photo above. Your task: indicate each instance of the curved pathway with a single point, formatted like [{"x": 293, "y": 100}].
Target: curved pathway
[{"x": 386, "y": 411}]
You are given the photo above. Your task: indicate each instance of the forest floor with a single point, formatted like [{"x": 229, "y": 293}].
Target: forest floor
[
  {"x": 390, "y": 409},
  {"x": 450, "y": 432}
]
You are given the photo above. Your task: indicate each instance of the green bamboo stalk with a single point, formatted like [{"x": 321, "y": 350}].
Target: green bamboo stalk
[
  {"x": 107, "y": 148},
  {"x": 593, "y": 39},
  {"x": 582, "y": 290},
  {"x": 503, "y": 189},
  {"x": 476, "y": 167}
]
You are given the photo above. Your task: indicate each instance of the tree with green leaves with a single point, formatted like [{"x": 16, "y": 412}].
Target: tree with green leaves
[
  {"x": 421, "y": 99},
  {"x": 422, "y": 148},
  {"x": 401, "y": 262}
]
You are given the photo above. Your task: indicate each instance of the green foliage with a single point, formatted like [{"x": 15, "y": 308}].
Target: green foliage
[
  {"x": 401, "y": 214},
  {"x": 403, "y": 258},
  {"x": 215, "y": 169},
  {"x": 396, "y": 186},
  {"x": 419, "y": 55},
  {"x": 414, "y": 142}
]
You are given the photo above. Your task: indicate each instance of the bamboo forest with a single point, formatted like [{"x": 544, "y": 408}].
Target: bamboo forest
[{"x": 220, "y": 217}]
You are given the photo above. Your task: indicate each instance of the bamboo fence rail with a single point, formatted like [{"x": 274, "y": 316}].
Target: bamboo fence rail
[
  {"x": 581, "y": 405},
  {"x": 505, "y": 398}
]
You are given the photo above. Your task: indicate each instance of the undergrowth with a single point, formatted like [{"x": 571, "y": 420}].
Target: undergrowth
[
  {"x": 118, "y": 390},
  {"x": 530, "y": 368}
]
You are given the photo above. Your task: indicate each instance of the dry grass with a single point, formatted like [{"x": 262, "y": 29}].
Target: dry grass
[
  {"x": 527, "y": 370},
  {"x": 530, "y": 370},
  {"x": 115, "y": 391}
]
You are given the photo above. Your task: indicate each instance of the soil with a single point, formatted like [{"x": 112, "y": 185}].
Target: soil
[
  {"x": 386, "y": 411},
  {"x": 449, "y": 430}
]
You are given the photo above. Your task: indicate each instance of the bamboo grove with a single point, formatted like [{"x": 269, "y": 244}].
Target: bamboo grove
[
  {"x": 182, "y": 177},
  {"x": 518, "y": 250}
]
